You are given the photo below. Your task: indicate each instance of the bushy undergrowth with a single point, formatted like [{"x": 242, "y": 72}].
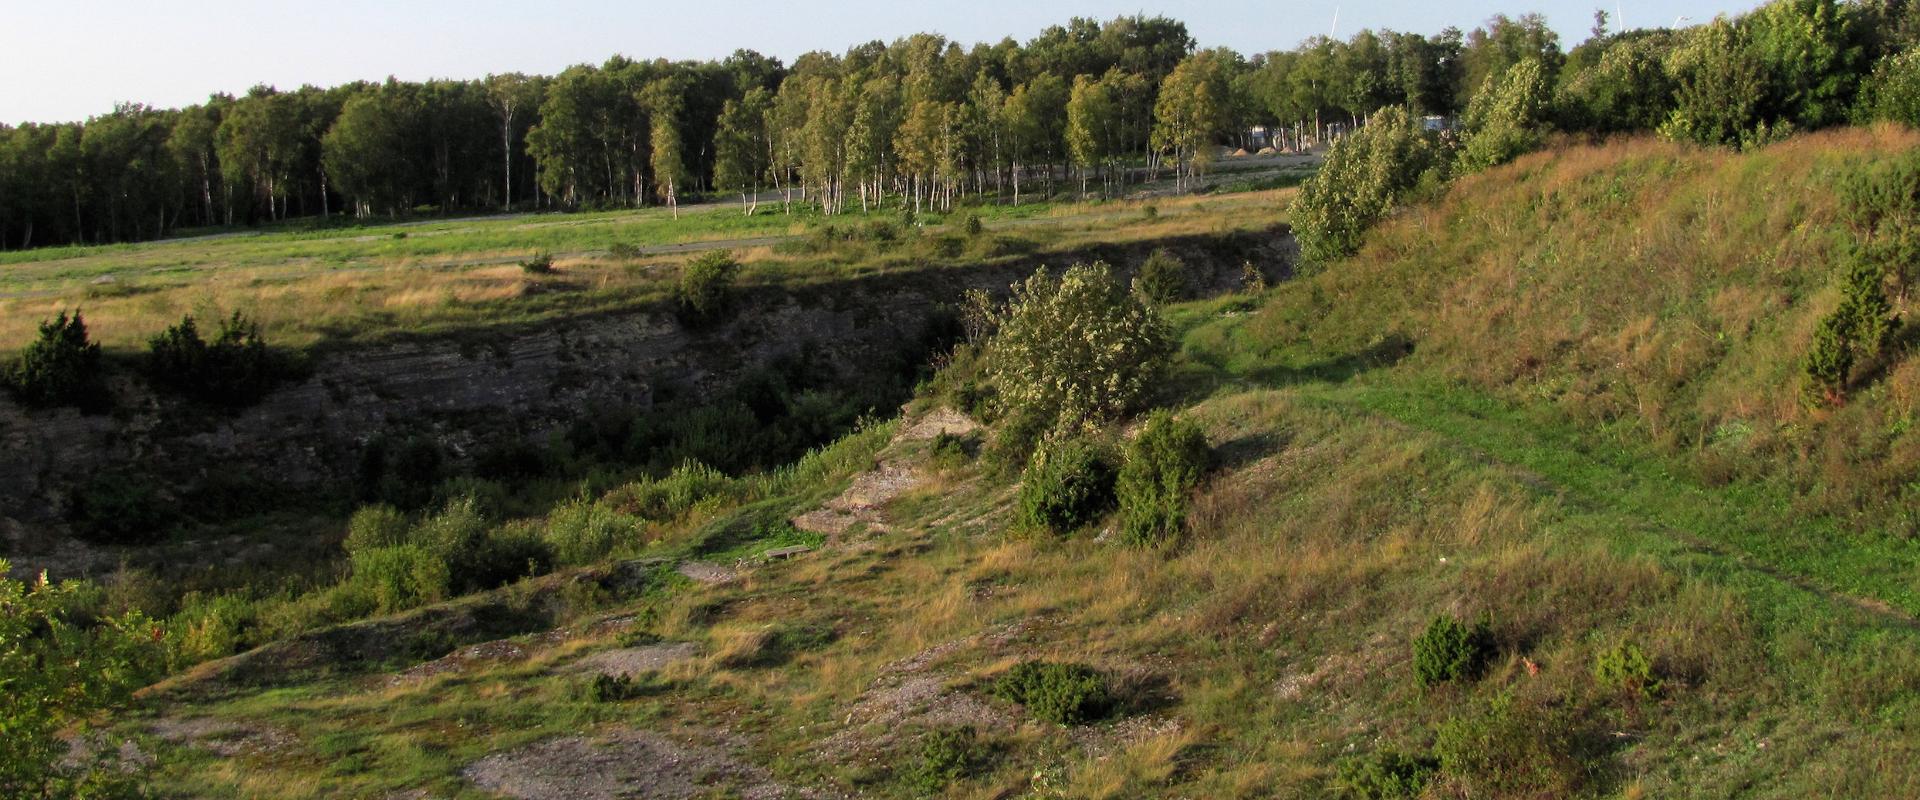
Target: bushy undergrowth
[
  {"x": 1451, "y": 650},
  {"x": 1516, "y": 747},
  {"x": 706, "y": 285},
  {"x": 1160, "y": 469},
  {"x": 1163, "y": 278},
  {"x": 60, "y": 368},
  {"x": 1627, "y": 669},
  {"x": 1365, "y": 176},
  {"x": 1390, "y": 775},
  {"x": 1076, "y": 349},
  {"x": 946, "y": 756},
  {"x": 1061, "y": 693},
  {"x": 1067, "y": 486},
  {"x": 236, "y": 369}
]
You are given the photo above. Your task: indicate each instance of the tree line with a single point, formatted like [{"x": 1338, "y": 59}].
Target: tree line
[{"x": 922, "y": 121}]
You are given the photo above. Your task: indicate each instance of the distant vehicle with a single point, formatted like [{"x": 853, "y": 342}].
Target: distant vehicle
[{"x": 1436, "y": 124}]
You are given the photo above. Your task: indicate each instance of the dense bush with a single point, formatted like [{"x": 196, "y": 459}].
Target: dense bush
[
  {"x": 1160, "y": 469},
  {"x": 236, "y": 369},
  {"x": 1064, "y": 694},
  {"x": 1507, "y": 118},
  {"x": 1076, "y": 349},
  {"x": 453, "y": 551},
  {"x": 946, "y": 755},
  {"x": 604, "y": 688},
  {"x": 58, "y": 676},
  {"x": 1385, "y": 776},
  {"x": 1365, "y": 176},
  {"x": 1450, "y": 650},
  {"x": 582, "y": 531},
  {"x": 706, "y": 284},
  {"x": 1628, "y": 669},
  {"x": 1067, "y": 486},
  {"x": 1163, "y": 279},
  {"x": 60, "y": 368},
  {"x": 1627, "y": 89},
  {"x": 1892, "y": 93},
  {"x": 400, "y": 577},
  {"x": 122, "y": 509}
]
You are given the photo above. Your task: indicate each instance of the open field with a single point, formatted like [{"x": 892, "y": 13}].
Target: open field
[{"x": 364, "y": 284}]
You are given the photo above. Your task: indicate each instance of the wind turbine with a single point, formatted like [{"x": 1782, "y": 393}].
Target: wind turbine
[{"x": 1334, "y": 31}]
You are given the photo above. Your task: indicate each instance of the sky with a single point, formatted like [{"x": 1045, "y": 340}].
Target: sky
[{"x": 67, "y": 60}]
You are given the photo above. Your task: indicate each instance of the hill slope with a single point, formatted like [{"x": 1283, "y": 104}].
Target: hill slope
[{"x": 1562, "y": 400}]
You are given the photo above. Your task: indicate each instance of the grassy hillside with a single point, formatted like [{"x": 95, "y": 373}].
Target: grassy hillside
[{"x": 1563, "y": 400}]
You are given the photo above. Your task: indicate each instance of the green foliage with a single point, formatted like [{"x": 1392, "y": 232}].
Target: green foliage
[
  {"x": 1450, "y": 650},
  {"x": 582, "y": 531},
  {"x": 1386, "y": 775},
  {"x": 1626, "y": 668},
  {"x": 1159, "y": 472},
  {"x": 1076, "y": 349},
  {"x": 540, "y": 264},
  {"x": 624, "y": 251},
  {"x": 60, "y": 368},
  {"x": 399, "y": 577},
  {"x": 1628, "y": 89},
  {"x": 55, "y": 676},
  {"x": 1514, "y": 748},
  {"x": 605, "y": 688},
  {"x": 1365, "y": 176},
  {"x": 669, "y": 498},
  {"x": 972, "y": 225},
  {"x": 946, "y": 756},
  {"x": 951, "y": 451},
  {"x": 706, "y": 285},
  {"x": 235, "y": 370},
  {"x": 403, "y": 474},
  {"x": 1067, "y": 486},
  {"x": 121, "y": 508},
  {"x": 1163, "y": 279},
  {"x": 1061, "y": 693},
  {"x": 1507, "y": 118},
  {"x": 1892, "y": 92},
  {"x": 1857, "y": 330}
]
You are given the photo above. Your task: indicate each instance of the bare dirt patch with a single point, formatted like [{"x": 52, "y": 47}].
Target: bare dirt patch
[
  {"x": 861, "y": 504},
  {"x": 622, "y": 764},
  {"x": 634, "y": 661},
  {"x": 224, "y": 738},
  {"x": 704, "y": 572}
]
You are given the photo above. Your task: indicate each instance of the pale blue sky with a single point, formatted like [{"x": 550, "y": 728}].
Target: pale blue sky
[{"x": 70, "y": 59}]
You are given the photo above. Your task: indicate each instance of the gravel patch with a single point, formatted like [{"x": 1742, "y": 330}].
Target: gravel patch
[{"x": 621, "y": 764}]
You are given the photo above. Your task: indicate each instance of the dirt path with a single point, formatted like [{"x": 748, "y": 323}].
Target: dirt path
[
  {"x": 861, "y": 505},
  {"x": 623, "y": 763}
]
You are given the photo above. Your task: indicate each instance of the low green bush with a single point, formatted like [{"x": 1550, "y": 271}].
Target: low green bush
[
  {"x": 1061, "y": 693},
  {"x": 234, "y": 370},
  {"x": 1161, "y": 468},
  {"x": 972, "y": 225},
  {"x": 375, "y": 526},
  {"x": 541, "y": 264},
  {"x": 1627, "y": 669},
  {"x": 604, "y": 688},
  {"x": 1067, "y": 486},
  {"x": 950, "y": 451},
  {"x": 60, "y": 368},
  {"x": 121, "y": 509},
  {"x": 400, "y": 577},
  {"x": 1385, "y": 776},
  {"x": 706, "y": 285},
  {"x": 582, "y": 531},
  {"x": 946, "y": 756},
  {"x": 1450, "y": 650},
  {"x": 1163, "y": 279},
  {"x": 625, "y": 251}
]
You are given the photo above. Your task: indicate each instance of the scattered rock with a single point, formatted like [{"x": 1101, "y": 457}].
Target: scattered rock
[
  {"x": 224, "y": 738},
  {"x": 621, "y": 764},
  {"x": 707, "y": 573}
]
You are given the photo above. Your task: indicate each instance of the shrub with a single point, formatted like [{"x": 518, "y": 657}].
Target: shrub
[
  {"x": 1162, "y": 279},
  {"x": 59, "y": 678},
  {"x": 583, "y": 531},
  {"x": 1855, "y": 331},
  {"x": 946, "y": 755},
  {"x": 121, "y": 509},
  {"x": 1628, "y": 669},
  {"x": 669, "y": 498},
  {"x": 951, "y": 451},
  {"x": 1893, "y": 91},
  {"x": 1064, "y": 694},
  {"x": 1719, "y": 87},
  {"x": 479, "y": 555},
  {"x": 400, "y": 577},
  {"x": 1449, "y": 650},
  {"x": 972, "y": 225},
  {"x": 1385, "y": 776},
  {"x": 706, "y": 284},
  {"x": 60, "y": 368},
  {"x": 1076, "y": 349},
  {"x": 1161, "y": 468},
  {"x": 1067, "y": 485},
  {"x": 541, "y": 264},
  {"x": 604, "y": 688},
  {"x": 376, "y": 526},
  {"x": 235, "y": 370},
  {"x": 1513, "y": 748},
  {"x": 1364, "y": 177},
  {"x": 1507, "y": 117},
  {"x": 1252, "y": 279},
  {"x": 624, "y": 251}
]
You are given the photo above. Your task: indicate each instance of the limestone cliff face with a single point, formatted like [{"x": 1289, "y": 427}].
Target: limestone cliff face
[{"x": 482, "y": 387}]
